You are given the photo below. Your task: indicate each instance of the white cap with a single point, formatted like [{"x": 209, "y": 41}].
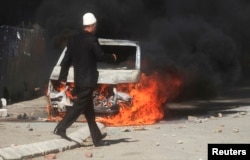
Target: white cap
[{"x": 88, "y": 19}]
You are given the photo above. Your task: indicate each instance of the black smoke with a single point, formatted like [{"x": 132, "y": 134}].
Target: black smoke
[
  {"x": 205, "y": 42},
  {"x": 18, "y": 13}
]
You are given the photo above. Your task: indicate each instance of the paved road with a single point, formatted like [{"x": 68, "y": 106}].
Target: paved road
[{"x": 183, "y": 134}]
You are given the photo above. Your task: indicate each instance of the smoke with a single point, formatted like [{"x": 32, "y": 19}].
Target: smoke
[{"x": 205, "y": 42}]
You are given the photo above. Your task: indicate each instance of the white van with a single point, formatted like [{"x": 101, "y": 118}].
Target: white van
[{"x": 125, "y": 70}]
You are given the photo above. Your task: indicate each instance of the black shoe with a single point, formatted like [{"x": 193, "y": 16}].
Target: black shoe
[
  {"x": 62, "y": 134},
  {"x": 97, "y": 142}
]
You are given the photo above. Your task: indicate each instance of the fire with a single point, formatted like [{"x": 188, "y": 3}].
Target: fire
[
  {"x": 149, "y": 95},
  {"x": 57, "y": 116}
]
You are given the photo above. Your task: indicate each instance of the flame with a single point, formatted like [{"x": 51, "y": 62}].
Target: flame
[
  {"x": 68, "y": 91},
  {"x": 58, "y": 116},
  {"x": 149, "y": 95}
]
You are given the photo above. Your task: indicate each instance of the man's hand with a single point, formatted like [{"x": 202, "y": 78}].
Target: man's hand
[
  {"x": 115, "y": 57},
  {"x": 63, "y": 83}
]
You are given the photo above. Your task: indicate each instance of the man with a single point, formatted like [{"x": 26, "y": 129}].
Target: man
[{"x": 83, "y": 52}]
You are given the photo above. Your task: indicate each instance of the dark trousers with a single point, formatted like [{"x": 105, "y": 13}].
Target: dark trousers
[{"x": 83, "y": 104}]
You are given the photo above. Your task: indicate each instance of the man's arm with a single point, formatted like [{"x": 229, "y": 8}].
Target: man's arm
[
  {"x": 101, "y": 56},
  {"x": 65, "y": 64}
]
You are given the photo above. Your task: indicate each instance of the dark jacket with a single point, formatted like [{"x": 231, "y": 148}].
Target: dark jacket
[{"x": 83, "y": 52}]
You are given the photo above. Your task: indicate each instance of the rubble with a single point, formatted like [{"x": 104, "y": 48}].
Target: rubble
[
  {"x": 182, "y": 126},
  {"x": 219, "y": 115},
  {"x": 157, "y": 144},
  {"x": 157, "y": 127},
  {"x": 88, "y": 155},
  {"x": 192, "y": 118},
  {"x": 139, "y": 128},
  {"x": 218, "y": 130},
  {"x": 235, "y": 130},
  {"x": 125, "y": 130},
  {"x": 212, "y": 117},
  {"x": 196, "y": 119},
  {"x": 180, "y": 142},
  {"x": 236, "y": 116},
  {"x": 239, "y": 114},
  {"x": 22, "y": 116},
  {"x": 243, "y": 113},
  {"x": 50, "y": 156}
]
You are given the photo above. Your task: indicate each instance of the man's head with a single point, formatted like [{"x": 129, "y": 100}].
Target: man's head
[{"x": 89, "y": 22}]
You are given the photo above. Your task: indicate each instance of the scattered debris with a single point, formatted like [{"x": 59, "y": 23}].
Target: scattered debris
[
  {"x": 212, "y": 117},
  {"x": 239, "y": 114},
  {"x": 236, "y": 116},
  {"x": 106, "y": 143},
  {"x": 218, "y": 130},
  {"x": 157, "y": 144},
  {"x": 139, "y": 128},
  {"x": 13, "y": 145},
  {"x": 219, "y": 115},
  {"x": 157, "y": 127},
  {"x": 125, "y": 130},
  {"x": 22, "y": 116},
  {"x": 243, "y": 113},
  {"x": 42, "y": 119},
  {"x": 192, "y": 118},
  {"x": 222, "y": 125},
  {"x": 236, "y": 130},
  {"x": 88, "y": 155},
  {"x": 203, "y": 120},
  {"x": 182, "y": 126},
  {"x": 180, "y": 142},
  {"x": 87, "y": 142},
  {"x": 196, "y": 119},
  {"x": 50, "y": 156}
]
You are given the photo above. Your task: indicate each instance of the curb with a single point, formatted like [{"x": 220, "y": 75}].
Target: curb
[{"x": 51, "y": 146}]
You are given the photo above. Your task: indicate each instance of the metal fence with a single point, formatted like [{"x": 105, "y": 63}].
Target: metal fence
[{"x": 23, "y": 59}]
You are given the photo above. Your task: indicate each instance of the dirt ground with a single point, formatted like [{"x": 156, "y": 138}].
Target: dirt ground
[{"x": 184, "y": 133}]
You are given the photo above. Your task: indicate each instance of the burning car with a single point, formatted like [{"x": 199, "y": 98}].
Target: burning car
[{"x": 107, "y": 98}]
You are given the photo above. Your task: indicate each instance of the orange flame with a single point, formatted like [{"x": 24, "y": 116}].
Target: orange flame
[
  {"x": 149, "y": 95},
  {"x": 58, "y": 116}
]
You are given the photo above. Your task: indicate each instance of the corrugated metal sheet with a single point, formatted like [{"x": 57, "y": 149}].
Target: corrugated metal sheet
[{"x": 21, "y": 60}]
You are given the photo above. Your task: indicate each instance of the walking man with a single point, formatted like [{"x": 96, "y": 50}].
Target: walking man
[{"x": 83, "y": 52}]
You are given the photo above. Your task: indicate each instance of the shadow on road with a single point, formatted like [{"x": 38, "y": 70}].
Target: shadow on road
[
  {"x": 116, "y": 141},
  {"x": 231, "y": 98}
]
